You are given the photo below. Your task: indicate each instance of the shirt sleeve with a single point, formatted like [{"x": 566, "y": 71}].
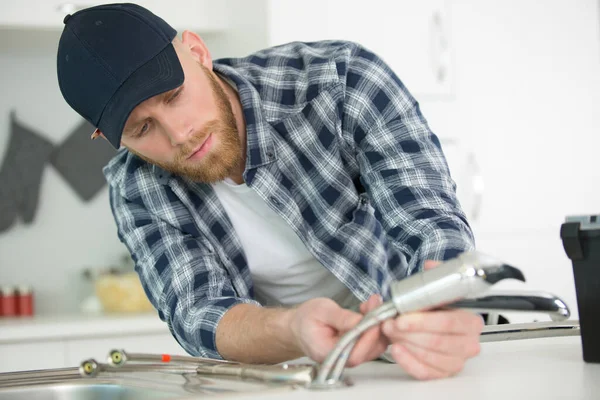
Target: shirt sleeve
[
  {"x": 402, "y": 165},
  {"x": 181, "y": 276}
]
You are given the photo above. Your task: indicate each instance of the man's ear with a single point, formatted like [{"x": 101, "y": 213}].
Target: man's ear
[{"x": 197, "y": 48}]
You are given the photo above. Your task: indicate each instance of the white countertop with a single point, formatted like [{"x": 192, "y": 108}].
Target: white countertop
[
  {"x": 546, "y": 368},
  {"x": 550, "y": 368},
  {"x": 57, "y": 327}
]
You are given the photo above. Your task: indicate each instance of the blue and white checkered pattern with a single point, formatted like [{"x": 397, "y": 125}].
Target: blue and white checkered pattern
[{"x": 319, "y": 116}]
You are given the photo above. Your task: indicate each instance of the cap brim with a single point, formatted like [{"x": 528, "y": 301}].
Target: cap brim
[{"x": 161, "y": 74}]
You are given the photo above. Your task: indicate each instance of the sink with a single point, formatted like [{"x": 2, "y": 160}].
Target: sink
[
  {"x": 129, "y": 376},
  {"x": 95, "y": 389},
  {"x": 83, "y": 390},
  {"x": 68, "y": 384}
]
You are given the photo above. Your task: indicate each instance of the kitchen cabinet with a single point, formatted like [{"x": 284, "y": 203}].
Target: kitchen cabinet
[
  {"x": 66, "y": 341},
  {"x": 32, "y": 355},
  {"x": 199, "y": 15},
  {"x": 411, "y": 36}
]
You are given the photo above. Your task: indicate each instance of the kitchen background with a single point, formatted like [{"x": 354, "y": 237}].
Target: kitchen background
[{"x": 511, "y": 87}]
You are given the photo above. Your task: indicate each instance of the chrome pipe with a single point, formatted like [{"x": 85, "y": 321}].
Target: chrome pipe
[
  {"x": 38, "y": 376},
  {"x": 332, "y": 368},
  {"x": 91, "y": 368},
  {"x": 119, "y": 358},
  {"x": 284, "y": 373},
  {"x": 301, "y": 374},
  {"x": 530, "y": 330}
]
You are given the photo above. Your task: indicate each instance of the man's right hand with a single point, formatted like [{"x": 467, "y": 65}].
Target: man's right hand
[{"x": 318, "y": 324}]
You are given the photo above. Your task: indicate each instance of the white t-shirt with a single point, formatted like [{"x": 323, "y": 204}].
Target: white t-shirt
[{"x": 284, "y": 272}]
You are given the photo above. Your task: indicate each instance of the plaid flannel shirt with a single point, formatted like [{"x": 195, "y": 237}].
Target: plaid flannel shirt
[{"x": 324, "y": 120}]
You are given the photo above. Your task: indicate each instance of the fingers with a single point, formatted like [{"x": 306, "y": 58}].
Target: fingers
[
  {"x": 412, "y": 365},
  {"x": 466, "y": 346},
  {"x": 320, "y": 323},
  {"x": 458, "y": 322},
  {"x": 373, "y": 302},
  {"x": 425, "y": 365},
  {"x": 434, "y": 344},
  {"x": 370, "y": 345},
  {"x": 323, "y": 323},
  {"x": 430, "y": 264},
  {"x": 447, "y": 364},
  {"x": 343, "y": 320}
]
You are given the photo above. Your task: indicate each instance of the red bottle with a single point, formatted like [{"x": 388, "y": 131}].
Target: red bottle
[
  {"x": 25, "y": 301},
  {"x": 8, "y": 303}
]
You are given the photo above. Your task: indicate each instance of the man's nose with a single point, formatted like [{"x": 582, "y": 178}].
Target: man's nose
[{"x": 177, "y": 131}]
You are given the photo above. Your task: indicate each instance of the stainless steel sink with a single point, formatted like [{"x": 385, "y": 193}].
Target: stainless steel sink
[
  {"x": 188, "y": 379},
  {"x": 84, "y": 390},
  {"x": 164, "y": 386}
]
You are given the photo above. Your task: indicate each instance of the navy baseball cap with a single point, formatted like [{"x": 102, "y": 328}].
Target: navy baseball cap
[{"x": 111, "y": 58}]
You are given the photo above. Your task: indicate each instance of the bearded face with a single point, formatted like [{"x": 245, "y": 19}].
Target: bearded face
[{"x": 209, "y": 149}]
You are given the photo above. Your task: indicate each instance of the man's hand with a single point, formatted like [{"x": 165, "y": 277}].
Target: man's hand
[
  {"x": 318, "y": 324},
  {"x": 433, "y": 344}
]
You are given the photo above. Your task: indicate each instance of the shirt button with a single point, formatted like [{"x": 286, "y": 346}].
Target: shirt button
[
  {"x": 364, "y": 201},
  {"x": 275, "y": 202},
  {"x": 270, "y": 155}
]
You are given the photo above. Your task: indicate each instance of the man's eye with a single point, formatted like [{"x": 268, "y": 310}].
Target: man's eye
[{"x": 145, "y": 128}]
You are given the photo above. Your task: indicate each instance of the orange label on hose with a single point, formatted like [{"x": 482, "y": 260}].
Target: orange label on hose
[{"x": 166, "y": 358}]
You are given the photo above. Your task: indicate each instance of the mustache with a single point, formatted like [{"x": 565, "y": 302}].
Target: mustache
[{"x": 197, "y": 139}]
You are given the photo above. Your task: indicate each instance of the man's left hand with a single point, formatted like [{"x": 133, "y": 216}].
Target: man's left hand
[{"x": 432, "y": 344}]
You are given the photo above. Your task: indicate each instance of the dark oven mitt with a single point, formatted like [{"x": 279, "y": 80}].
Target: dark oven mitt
[
  {"x": 21, "y": 174},
  {"x": 80, "y": 161}
]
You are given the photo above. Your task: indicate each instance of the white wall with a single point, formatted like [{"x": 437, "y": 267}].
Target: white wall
[
  {"x": 527, "y": 95},
  {"x": 526, "y": 92}
]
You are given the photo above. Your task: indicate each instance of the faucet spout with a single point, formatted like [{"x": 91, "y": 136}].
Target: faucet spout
[
  {"x": 470, "y": 274},
  {"x": 494, "y": 274},
  {"x": 534, "y": 302}
]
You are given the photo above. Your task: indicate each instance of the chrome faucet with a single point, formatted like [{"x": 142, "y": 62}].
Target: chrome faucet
[
  {"x": 458, "y": 283},
  {"x": 528, "y": 302}
]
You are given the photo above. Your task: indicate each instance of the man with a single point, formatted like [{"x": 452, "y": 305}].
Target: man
[{"x": 263, "y": 198}]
